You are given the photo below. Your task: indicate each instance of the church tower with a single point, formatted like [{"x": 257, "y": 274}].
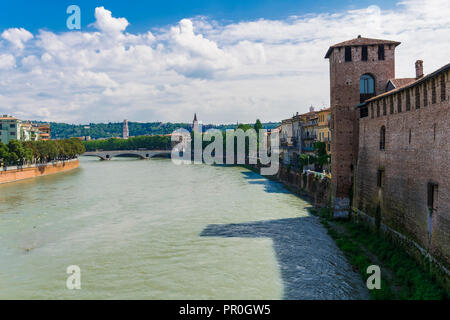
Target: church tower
[
  {"x": 195, "y": 124},
  {"x": 126, "y": 132},
  {"x": 359, "y": 69}
]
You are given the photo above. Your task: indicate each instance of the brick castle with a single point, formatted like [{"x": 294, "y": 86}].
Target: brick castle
[{"x": 390, "y": 146}]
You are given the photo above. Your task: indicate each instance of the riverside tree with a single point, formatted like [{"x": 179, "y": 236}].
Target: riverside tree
[
  {"x": 20, "y": 153},
  {"x": 319, "y": 159},
  {"x": 134, "y": 143}
]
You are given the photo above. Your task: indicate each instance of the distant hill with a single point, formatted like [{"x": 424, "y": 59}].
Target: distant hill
[{"x": 108, "y": 130}]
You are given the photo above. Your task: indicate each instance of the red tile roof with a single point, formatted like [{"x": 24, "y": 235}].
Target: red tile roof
[
  {"x": 401, "y": 82},
  {"x": 359, "y": 42}
]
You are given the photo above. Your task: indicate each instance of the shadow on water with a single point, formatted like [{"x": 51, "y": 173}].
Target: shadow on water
[
  {"x": 269, "y": 186},
  {"x": 310, "y": 263}
]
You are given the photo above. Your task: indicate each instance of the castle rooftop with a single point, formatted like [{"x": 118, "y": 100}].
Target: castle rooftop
[{"x": 360, "y": 41}]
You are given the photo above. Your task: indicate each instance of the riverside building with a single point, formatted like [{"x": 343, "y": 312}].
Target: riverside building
[{"x": 12, "y": 128}]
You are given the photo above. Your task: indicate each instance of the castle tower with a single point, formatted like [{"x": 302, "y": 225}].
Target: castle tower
[
  {"x": 126, "y": 132},
  {"x": 195, "y": 124},
  {"x": 359, "y": 69}
]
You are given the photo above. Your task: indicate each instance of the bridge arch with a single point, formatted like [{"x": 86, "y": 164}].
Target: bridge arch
[
  {"x": 101, "y": 157},
  {"x": 141, "y": 154},
  {"x": 125, "y": 153}
]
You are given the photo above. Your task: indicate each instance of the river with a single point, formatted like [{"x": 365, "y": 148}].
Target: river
[{"x": 147, "y": 229}]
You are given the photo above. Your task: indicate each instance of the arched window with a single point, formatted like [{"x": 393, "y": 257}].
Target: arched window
[
  {"x": 382, "y": 138},
  {"x": 366, "y": 87}
]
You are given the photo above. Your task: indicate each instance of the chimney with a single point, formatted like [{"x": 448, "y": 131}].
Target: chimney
[{"x": 419, "y": 69}]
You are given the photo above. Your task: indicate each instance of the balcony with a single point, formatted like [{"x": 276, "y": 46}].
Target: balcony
[
  {"x": 294, "y": 141},
  {"x": 308, "y": 149},
  {"x": 311, "y": 123},
  {"x": 309, "y": 137}
]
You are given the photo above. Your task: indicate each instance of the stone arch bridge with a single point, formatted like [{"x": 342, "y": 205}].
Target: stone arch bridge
[{"x": 142, "y": 154}]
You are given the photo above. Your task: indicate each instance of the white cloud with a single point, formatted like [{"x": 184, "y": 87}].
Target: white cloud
[
  {"x": 268, "y": 69},
  {"x": 17, "y": 37},
  {"x": 106, "y": 23},
  {"x": 7, "y": 61}
]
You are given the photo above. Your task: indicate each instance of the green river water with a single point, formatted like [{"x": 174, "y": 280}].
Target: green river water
[{"x": 148, "y": 229}]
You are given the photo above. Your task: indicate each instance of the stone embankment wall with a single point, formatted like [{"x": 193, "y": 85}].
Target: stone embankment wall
[
  {"x": 314, "y": 185},
  {"x": 12, "y": 174}
]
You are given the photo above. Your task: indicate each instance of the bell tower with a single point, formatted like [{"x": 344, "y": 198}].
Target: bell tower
[
  {"x": 195, "y": 124},
  {"x": 359, "y": 69},
  {"x": 126, "y": 131}
]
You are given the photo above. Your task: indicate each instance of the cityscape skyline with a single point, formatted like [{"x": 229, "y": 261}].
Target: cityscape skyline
[{"x": 262, "y": 157}]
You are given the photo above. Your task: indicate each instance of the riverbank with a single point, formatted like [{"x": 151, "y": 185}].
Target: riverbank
[
  {"x": 18, "y": 173},
  {"x": 402, "y": 276}
]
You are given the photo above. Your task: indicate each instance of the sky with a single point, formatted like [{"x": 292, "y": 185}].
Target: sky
[{"x": 227, "y": 61}]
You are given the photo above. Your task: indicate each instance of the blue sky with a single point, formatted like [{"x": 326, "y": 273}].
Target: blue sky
[
  {"x": 226, "y": 61},
  {"x": 142, "y": 15}
]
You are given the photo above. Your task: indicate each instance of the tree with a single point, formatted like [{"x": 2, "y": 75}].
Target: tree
[
  {"x": 322, "y": 158},
  {"x": 17, "y": 152},
  {"x": 305, "y": 159},
  {"x": 244, "y": 127},
  {"x": 4, "y": 154},
  {"x": 258, "y": 125},
  {"x": 141, "y": 142}
]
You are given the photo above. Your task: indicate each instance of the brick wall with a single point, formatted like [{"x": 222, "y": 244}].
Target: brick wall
[
  {"x": 36, "y": 171},
  {"x": 417, "y": 152},
  {"x": 344, "y": 96}
]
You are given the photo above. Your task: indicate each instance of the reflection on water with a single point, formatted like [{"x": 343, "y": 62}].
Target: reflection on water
[{"x": 153, "y": 230}]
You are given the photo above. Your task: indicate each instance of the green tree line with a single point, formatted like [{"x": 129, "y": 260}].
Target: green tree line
[
  {"x": 156, "y": 142},
  {"x": 134, "y": 143},
  {"x": 111, "y": 130},
  {"x": 28, "y": 152}
]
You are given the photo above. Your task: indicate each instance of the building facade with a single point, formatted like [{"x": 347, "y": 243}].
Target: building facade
[
  {"x": 323, "y": 128},
  {"x": 44, "y": 131},
  {"x": 10, "y": 129},
  {"x": 309, "y": 122},
  {"x": 286, "y": 140},
  {"x": 29, "y": 132},
  {"x": 299, "y": 134}
]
